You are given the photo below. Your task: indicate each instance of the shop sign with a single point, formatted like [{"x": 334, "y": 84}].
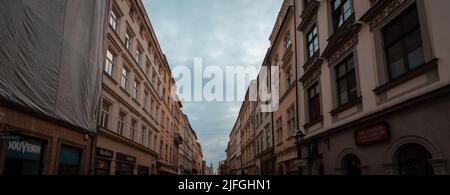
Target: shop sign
[
  {"x": 126, "y": 158},
  {"x": 104, "y": 153},
  {"x": 371, "y": 135},
  {"x": 25, "y": 149}
]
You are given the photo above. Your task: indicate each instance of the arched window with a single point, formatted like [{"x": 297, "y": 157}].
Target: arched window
[
  {"x": 352, "y": 165},
  {"x": 414, "y": 159}
]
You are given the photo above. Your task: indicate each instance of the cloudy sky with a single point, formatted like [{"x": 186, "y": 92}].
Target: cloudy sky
[{"x": 222, "y": 33}]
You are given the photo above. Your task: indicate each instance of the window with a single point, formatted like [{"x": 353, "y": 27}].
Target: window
[
  {"x": 102, "y": 167},
  {"x": 146, "y": 106},
  {"x": 289, "y": 80},
  {"x": 104, "y": 121},
  {"x": 124, "y": 79},
  {"x": 109, "y": 65},
  {"x": 342, "y": 10},
  {"x": 138, "y": 56},
  {"x": 69, "y": 161},
  {"x": 313, "y": 41},
  {"x": 148, "y": 70},
  {"x": 279, "y": 130},
  {"x": 291, "y": 120},
  {"x": 403, "y": 45},
  {"x": 128, "y": 41},
  {"x": 307, "y": 2},
  {"x": 287, "y": 41},
  {"x": 133, "y": 130},
  {"x": 113, "y": 20},
  {"x": 346, "y": 81},
  {"x": 262, "y": 144},
  {"x": 314, "y": 103},
  {"x": 150, "y": 137},
  {"x": 135, "y": 93},
  {"x": 24, "y": 161},
  {"x": 143, "y": 134},
  {"x": 121, "y": 123}
]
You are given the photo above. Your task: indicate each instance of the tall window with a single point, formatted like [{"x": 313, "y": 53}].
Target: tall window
[
  {"x": 143, "y": 134},
  {"x": 113, "y": 20},
  {"x": 121, "y": 123},
  {"x": 288, "y": 73},
  {"x": 403, "y": 44},
  {"x": 287, "y": 41},
  {"x": 150, "y": 137},
  {"x": 105, "y": 115},
  {"x": 135, "y": 93},
  {"x": 279, "y": 130},
  {"x": 138, "y": 55},
  {"x": 124, "y": 79},
  {"x": 290, "y": 113},
  {"x": 133, "y": 130},
  {"x": 109, "y": 65},
  {"x": 268, "y": 137},
  {"x": 314, "y": 103},
  {"x": 147, "y": 70},
  {"x": 128, "y": 41},
  {"x": 313, "y": 41},
  {"x": 342, "y": 10},
  {"x": 146, "y": 106},
  {"x": 346, "y": 81},
  {"x": 307, "y": 2}
]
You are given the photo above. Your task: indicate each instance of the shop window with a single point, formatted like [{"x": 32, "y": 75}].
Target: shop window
[
  {"x": 123, "y": 169},
  {"x": 24, "y": 157},
  {"x": 69, "y": 161},
  {"x": 143, "y": 170},
  {"x": 102, "y": 167}
]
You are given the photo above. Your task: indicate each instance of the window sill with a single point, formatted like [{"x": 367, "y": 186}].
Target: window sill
[
  {"x": 432, "y": 64},
  {"x": 125, "y": 91},
  {"x": 346, "y": 106},
  {"x": 110, "y": 77},
  {"x": 312, "y": 123},
  {"x": 136, "y": 101}
]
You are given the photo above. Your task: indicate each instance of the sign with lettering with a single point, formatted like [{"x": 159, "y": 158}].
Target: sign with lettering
[
  {"x": 26, "y": 148},
  {"x": 104, "y": 153},
  {"x": 374, "y": 134},
  {"x": 126, "y": 158}
]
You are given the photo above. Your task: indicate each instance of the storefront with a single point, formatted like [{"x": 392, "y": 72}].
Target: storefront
[
  {"x": 103, "y": 161},
  {"x": 409, "y": 141},
  {"x": 69, "y": 160},
  {"x": 24, "y": 156},
  {"x": 125, "y": 164}
]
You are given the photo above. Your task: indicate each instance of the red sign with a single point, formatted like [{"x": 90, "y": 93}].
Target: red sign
[{"x": 371, "y": 135}]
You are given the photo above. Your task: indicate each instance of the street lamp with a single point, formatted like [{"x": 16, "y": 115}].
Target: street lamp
[{"x": 299, "y": 135}]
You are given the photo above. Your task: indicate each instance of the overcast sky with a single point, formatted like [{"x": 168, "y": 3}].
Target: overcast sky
[{"x": 223, "y": 33}]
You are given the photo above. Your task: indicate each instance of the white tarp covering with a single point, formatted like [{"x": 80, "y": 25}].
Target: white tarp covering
[{"x": 51, "y": 57}]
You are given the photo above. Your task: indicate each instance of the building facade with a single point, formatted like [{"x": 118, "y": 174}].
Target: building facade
[
  {"x": 46, "y": 127},
  {"x": 140, "y": 121},
  {"x": 373, "y": 89}
]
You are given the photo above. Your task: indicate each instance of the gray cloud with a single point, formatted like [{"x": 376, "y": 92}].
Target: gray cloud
[{"x": 223, "y": 33}]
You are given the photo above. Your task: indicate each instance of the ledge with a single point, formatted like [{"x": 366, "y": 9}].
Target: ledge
[
  {"x": 307, "y": 14},
  {"x": 432, "y": 64},
  {"x": 312, "y": 123},
  {"x": 346, "y": 106}
]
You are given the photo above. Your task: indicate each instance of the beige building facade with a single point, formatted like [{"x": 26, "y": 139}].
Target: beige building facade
[
  {"x": 373, "y": 89},
  {"x": 140, "y": 121}
]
